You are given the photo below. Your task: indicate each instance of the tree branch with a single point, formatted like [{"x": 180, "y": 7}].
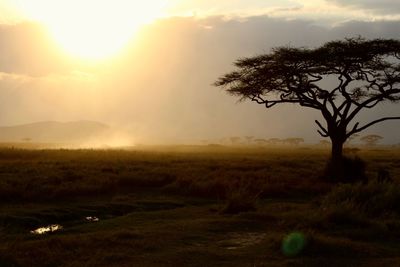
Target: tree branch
[
  {"x": 324, "y": 132},
  {"x": 352, "y": 130},
  {"x": 356, "y": 130},
  {"x": 367, "y": 103},
  {"x": 257, "y": 99}
]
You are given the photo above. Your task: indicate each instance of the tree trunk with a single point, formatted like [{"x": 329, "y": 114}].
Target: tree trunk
[
  {"x": 344, "y": 169},
  {"x": 337, "y": 150},
  {"x": 335, "y": 169}
]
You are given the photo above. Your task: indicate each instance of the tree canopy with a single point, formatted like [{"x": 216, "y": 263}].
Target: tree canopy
[{"x": 366, "y": 73}]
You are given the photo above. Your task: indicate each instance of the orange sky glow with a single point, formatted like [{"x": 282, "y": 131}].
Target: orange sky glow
[
  {"x": 147, "y": 67},
  {"x": 92, "y": 29}
]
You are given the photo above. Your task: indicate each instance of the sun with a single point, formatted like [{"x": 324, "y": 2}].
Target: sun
[{"x": 92, "y": 29}]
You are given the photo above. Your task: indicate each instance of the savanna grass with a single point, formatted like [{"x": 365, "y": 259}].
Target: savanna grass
[{"x": 165, "y": 207}]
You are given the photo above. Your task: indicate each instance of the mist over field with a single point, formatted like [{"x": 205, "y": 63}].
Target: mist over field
[{"x": 75, "y": 134}]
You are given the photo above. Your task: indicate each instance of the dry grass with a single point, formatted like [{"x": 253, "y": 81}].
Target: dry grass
[{"x": 162, "y": 207}]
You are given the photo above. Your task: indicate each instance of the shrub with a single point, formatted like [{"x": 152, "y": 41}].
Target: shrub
[
  {"x": 242, "y": 197},
  {"x": 345, "y": 214},
  {"x": 372, "y": 199},
  {"x": 349, "y": 169}
]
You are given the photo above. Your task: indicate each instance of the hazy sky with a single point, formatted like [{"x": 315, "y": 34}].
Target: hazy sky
[{"x": 64, "y": 60}]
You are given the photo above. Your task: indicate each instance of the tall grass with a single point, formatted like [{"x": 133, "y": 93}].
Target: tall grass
[
  {"x": 161, "y": 207},
  {"x": 37, "y": 175},
  {"x": 372, "y": 199}
]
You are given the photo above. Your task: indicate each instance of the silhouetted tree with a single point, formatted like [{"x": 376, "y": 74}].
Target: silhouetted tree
[
  {"x": 274, "y": 141},
  {"x": 249, "y": 139},
  {"x": 293, "y": 141},
  {"x": 367, "y": 72},
  {"x": 261, "y": 141},
  {"x": 371, "y": 139},
  {"x": 235, "y": 140},
  {"x": 324, "y": 143},
  {"x": 204, "y": 141},
  {"x": 224, "y": 141}
]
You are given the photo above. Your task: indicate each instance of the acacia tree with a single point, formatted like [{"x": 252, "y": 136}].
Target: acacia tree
[
  {"x": 367, "y": 72},
  {"x": 249, "y": 139},
  {"x": 293, "y": 141},
  {"x": 371, "y": 139}
]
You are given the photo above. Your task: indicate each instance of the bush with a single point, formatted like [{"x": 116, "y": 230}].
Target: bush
[
  {"x": 372, "y": 199},
  {"x": 345, "y": 214},
  {"x": 242, "y": 197},
  {"x": 348, "y": 169}
]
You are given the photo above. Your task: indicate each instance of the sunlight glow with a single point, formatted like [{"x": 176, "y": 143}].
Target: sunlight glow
[{"x": 92, "y": 29}]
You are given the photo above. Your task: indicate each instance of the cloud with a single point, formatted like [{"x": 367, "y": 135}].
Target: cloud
[
  {"x": 389, "y": 7},
  {"x": 288, "y": 9},
  {"x": 221, "y": 7}
]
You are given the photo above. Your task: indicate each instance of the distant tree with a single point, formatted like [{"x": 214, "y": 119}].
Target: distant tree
[
  {"x": 26, "y": 139},
  {"x": 235, "y": 140},
  {"x": 367, "y": 73},
  {"x": 204, "y": 141},
  {"x": 249, "y": 139},
  {"x": 224, "y": 141},
  {"x": 324, "y": 143},
  {"x": 274, "y": 141},
  {"x": 371, "y": 140},
  {"x": 293, "y": 141},
  {"x": 261, "y": 141}
]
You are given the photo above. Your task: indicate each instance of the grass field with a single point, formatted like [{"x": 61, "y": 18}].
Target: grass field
[{"x": 194, "y": 206}]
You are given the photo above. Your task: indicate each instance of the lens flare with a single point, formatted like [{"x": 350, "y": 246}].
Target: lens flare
[{"x": 293, "y": 244}]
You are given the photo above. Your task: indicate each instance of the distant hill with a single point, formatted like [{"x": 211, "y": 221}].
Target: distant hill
[{"x": 55, "y": 132}]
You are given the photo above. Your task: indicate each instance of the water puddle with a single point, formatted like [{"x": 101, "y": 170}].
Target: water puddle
[
  {"x": 56, "y": 227},
  {"x": 241, "y": 240},
  {"x": 92, "y": 219},
  {"x": 48, "y": 229},
  {"x": 108, "y": 211}
]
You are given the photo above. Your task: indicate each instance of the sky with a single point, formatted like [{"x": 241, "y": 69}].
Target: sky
[{"x": 148, "y": 68}]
